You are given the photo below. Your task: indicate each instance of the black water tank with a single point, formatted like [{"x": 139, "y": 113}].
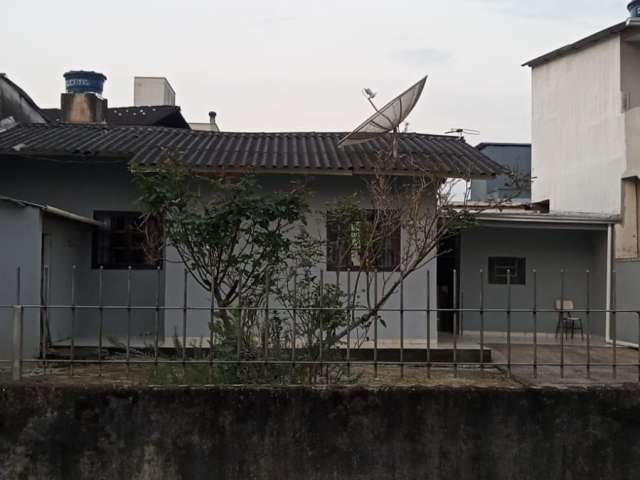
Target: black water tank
[
  {"x": 81, "y": 81},
  {"x": 634, "y": 8}
]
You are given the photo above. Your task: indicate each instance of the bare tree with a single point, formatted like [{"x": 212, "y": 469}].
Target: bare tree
[{"x": 422, "y": 207}]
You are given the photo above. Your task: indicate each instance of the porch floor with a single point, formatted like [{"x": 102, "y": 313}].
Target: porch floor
[
  {"x": 549, "y": 352},
  {"x": 522, "y": 355}
]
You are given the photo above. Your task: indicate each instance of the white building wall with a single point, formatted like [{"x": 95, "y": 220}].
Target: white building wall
[
  {"x": 152, "y": 91},
  {"x": 578, "y": 130},
  {"x": 630, "y": 86}
]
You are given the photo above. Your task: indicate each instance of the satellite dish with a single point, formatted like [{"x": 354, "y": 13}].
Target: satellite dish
[{"x": 386, "y": 119}]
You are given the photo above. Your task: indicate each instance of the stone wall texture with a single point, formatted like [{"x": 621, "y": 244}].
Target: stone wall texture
[{"x": 76, "y": 432}]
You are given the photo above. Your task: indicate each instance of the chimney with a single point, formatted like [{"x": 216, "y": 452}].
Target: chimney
[
  {"x": 212, "y": 122},
  {"x": 634, "y": 8},
  {"x": 83, "y": 102}
]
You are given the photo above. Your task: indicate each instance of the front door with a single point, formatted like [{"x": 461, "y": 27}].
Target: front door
[{"x": 448, "y": 274}]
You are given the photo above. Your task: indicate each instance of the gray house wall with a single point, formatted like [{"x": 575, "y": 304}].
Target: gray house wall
[
  {"x": 83, "y": 187},
  {"x": 546, "y": 250},
  {"x": 64, "y": 244},
  {"x": 20, "y": 244},
  {"x": 324, "y": 192},
  {"x": 67, "y": 244}
]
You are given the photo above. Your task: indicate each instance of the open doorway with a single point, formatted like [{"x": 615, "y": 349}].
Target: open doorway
[
  {"x": 45, "y": 291},
  {"x": 448, "y": 262}
]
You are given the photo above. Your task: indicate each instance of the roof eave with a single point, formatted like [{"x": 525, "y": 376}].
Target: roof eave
[
  {"x": 581, "y": 44},
  {"x": 547, "y": 218},
  {"x": 331, "y": 172}
]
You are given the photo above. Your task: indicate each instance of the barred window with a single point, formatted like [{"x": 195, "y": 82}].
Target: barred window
[
  {"x": 356, "y": 246},
  {"x": 516, "y": 267},
  {"x": 121, "y": 243}
]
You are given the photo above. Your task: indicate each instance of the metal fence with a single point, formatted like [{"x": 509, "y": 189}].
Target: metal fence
[{"x": 461, "y": 350}]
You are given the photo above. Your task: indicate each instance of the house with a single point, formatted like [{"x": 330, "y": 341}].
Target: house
[
  {"x": 586, "y": 153},
  {"x": 82, "y": 169},
  {"x": 522, "y": 238}
]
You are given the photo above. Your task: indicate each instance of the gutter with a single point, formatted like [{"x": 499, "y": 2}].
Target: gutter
[
  {"x": 72, "y": 216},
  {"x": 554, "y": 219},
  {"x": 54, "y": 211}
]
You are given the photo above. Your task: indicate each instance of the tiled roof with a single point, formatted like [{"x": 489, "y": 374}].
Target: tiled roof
[
  {"x": 160, "y": 116},
  {"x": 303, "y": 152}
]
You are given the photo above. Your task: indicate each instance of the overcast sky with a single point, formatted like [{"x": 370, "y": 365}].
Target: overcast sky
[{"x": 300, "y": 64}]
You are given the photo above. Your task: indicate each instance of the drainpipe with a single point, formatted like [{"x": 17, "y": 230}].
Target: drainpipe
[{"x": 610, "y": 279}]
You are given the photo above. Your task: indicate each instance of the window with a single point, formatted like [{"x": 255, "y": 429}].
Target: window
[
  {"x": 348, "y": 248},
  {"x": 121, "y": 243},
  {"x": 499, "y": 266}
]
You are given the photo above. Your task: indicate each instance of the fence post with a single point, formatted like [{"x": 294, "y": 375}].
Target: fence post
[{"x": 18, "y": 321}]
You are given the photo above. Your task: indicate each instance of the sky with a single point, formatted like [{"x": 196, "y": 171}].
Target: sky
[{"x": 300, "y": 65}]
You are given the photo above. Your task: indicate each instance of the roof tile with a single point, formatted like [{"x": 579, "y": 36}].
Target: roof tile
[{"x": 293, "y": 151}]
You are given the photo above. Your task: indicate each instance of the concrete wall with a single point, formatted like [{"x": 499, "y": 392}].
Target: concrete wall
[
  {"x": 630, "y": 73},
  {"x": 151, "y": 91},
  {"x": 324, "y": 192},
  {"x": 627, "y": 298},
  {"x": 578, "y": 130},
  {"x": 21, "y": 245},
  {"x": 547, "y": 251},
  {"x": 237, "y": 433}
]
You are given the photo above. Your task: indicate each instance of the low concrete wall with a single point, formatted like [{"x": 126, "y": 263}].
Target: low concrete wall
[{"x": 303, "y": 433}]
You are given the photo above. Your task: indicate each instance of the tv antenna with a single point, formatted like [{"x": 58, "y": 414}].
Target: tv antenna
[
  {"x": 461, "y": 132},
  {"x": 386, "y": 119}
]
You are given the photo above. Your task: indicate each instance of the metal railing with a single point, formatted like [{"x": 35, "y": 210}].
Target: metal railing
[{"x": 294, "y": 351}]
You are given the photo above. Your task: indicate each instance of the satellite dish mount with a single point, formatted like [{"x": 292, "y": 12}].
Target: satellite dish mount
[{"x": 386, "y": 119}]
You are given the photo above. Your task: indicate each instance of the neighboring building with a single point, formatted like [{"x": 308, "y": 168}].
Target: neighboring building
[
  {"x": 88, "y": 87},
  {"x": 152, "y": 91},
  {"x": 160, "y": 116},
  {"x": 212, "y": 126},
  {"x": 156, "y": 93},
  {"x": 586, "y": 143},
  {"x": 516, "y": 158},
  {"x": 154, "y": 100},
  {"x": 16, "y": 105}
]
